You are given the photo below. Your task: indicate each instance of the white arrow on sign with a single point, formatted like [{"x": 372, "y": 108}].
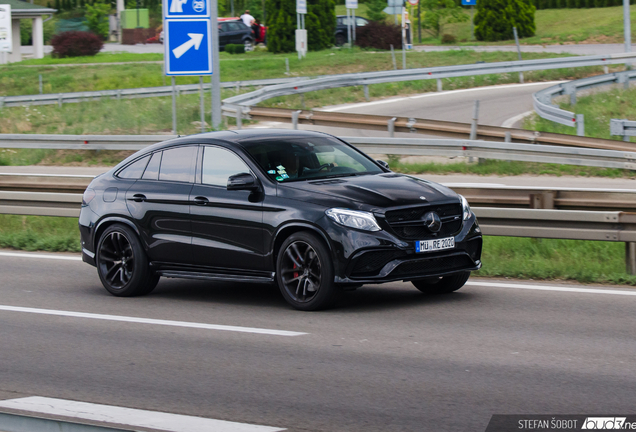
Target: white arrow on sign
[{"x": 195, "y": 41}]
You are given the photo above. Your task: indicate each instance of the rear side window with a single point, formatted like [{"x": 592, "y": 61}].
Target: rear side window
[
  {"x": 177, "y": 164},
  {"x": 152, "y": 170},
  {"x": 135, "y": 169},
  {"x": 233, "y": 26}
]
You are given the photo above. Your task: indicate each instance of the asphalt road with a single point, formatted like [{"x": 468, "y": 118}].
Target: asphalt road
[{"x": 386, "y": 359}]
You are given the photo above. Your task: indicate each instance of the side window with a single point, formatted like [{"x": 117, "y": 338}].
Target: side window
[
  {"x": 361, "y": 22},
  {"x": 176, "y": 164},
  {"x": 223, "y": 27},
  {"x": 219, "y": 164},
  {"x": 152, "y": 170},
  {"x": 135, "y": 169}
]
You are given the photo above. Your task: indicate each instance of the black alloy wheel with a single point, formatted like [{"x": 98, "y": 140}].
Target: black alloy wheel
[
  {"x": 340, "y": 39},
  {"x": 305, "y": 272},
  {"x": 441, "y": 285},
  {"x": 122, "y": 264}
]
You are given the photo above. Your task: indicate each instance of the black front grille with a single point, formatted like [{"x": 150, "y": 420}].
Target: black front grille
[
  {"x": 370, "y": 263},
  {"x": 431, "y": 266},
  {"x": 408, "y": 224}
]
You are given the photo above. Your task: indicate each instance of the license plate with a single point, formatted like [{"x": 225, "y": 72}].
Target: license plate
[{"x": 434, "y": 245}]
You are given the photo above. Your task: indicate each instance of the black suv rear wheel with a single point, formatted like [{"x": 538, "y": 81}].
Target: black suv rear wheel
[{"x": 122, "y": 264}]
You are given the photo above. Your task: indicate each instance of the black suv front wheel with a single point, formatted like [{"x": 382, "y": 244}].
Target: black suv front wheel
[{"x": 305, "y": 272}]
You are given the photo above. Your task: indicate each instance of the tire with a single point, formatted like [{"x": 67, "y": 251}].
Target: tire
[
  {"x": 122, "y": 264},
  {"x": 443, "y": 285},
  {"x": 304, "y": 272},
  {"x": 249, "y": 45},
  {"x": 340, "y": 39}
]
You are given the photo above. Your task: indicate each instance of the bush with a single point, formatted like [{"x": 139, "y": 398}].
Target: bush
[
  {"x": 321, "y": 24},
  {"x": 448, "y": 38},
  {"x": 379, "y": 35},
  {"x": 235, "y": 49},
  {"x": 97, "y": 18},
  {"x": 76, "y": 44},
  {"x": 496, "y": 18}
]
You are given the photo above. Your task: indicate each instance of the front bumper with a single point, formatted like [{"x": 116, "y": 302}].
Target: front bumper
[{"x": 378, "y": 257}]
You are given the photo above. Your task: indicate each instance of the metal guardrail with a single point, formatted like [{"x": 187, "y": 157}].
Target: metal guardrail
[
  {"x": 402, "y": 146},
  {"x": 624, "y": 128},
  {"x": 430, "y": 127},
  {"x": 480, "y": 195},
  {"x": 287, "y": 86},
  {"x": 368, "y": 78},
  {"x": 18, "y": 422},
  {"x": 542, "y": 100},
  {"x": 511, "y": 222},
  {"x": 144, "y": 92}
]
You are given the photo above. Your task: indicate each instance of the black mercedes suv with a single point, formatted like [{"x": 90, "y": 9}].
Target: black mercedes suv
[{"x": 301, "y": 209}]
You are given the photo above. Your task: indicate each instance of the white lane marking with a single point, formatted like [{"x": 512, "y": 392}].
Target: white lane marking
[
  {"x": 435, "y": 94},
  {"x": 512, "y": 120},
  {"x": 552, "y": 288},
  {"x": 40, "y": 256},
  {"x": 152, "y": 321},
  {"x": 130, "y": 417}
]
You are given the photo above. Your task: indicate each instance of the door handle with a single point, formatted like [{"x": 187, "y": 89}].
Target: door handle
[
  {"x": 138, "y": 198},
  {"x": 201, "y": 201}
]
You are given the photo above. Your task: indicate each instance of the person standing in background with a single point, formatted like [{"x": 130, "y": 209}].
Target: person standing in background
[{"x": 247, "y": 18}]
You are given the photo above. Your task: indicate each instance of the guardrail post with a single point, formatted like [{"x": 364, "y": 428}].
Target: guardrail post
[
  {"x": 59, "y": 100},
  {"x": 473, "y": 125},
  {"x": 605, "y": 70},
  {"x": 393, "y": 57},
  {"x": 630, "y": 257},
  {"x": 286, "y": 66},
  {"x": 118, "y": 95},
  {"x": 302, "y": 100},
  {"x": 391, "y": 126},
  {"x": 40, "y": 80},
  {"x": 580, "y": 125},
  {"x": 623, "y": 78},
  {"x": 439, "y": 84},
  {"x": 366, "y": 92},
  {"x": 295, "y": 115},
  {"x": 508, "y": 137},
  {"x": 239, "y": 117},
  {"x": 238, "y": 87},
  {"x": 1, "y": 102},
  {"x": 544, "y": 200}
]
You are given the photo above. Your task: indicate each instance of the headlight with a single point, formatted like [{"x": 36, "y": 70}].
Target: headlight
[
  {"x": 354, "y": 219},
  {"x": 465, "y": 207}
]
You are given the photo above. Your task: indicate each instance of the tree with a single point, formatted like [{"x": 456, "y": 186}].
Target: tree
[
  {"x": 320, "y": 23},
  {"x": 496, "y": 18},
  {"x": 438, "y": 13},
  {"x": 375, "y": 10},
  {"x": 97, "y": 18}
]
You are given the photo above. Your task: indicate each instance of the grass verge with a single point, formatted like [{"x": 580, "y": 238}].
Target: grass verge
[
  {"x": 508, "y": 168},
  {"x": 17, "y": 79},
  {"x": 523, "y": 258},
  {"x": 598, "y": 108}
]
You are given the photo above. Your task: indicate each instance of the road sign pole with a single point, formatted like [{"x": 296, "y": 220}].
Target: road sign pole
[
  {"x": 216, "y": 74},
  {"x": 353, "y": 24},
  {"x": 627, "y": 26},
  {"x": 202, "y": 105},
  {"x": 472, "y": 23},
  {"x": 174, "y": 107}
]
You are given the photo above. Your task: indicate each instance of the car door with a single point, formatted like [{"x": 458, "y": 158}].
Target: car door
[
  {"x": 227, "y": 225},
  {"x": 235, "y": 32},
  {"x": 223, "y": 35},
  {"x": 159, "y": 203}
]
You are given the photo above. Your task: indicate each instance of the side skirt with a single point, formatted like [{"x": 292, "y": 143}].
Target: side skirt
[{"x": 215, "y": 276}]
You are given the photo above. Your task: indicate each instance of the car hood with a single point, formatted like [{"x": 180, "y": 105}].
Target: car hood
[{"x": 370, "y": 192}]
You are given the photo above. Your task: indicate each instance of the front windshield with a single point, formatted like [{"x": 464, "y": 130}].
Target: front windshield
[{"x": 308, "y": 158}]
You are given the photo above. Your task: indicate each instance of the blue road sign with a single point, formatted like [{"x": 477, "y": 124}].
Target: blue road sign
[
  {"x": 469, "y": 2},
  {"x": 187, "y": 47},
  {"x": 186, "y": 9}
]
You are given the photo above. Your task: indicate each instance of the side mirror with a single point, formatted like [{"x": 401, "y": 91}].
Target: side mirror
[
  {"x": 383, "y": 164},
  {"x": 242, "y": 181}
]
